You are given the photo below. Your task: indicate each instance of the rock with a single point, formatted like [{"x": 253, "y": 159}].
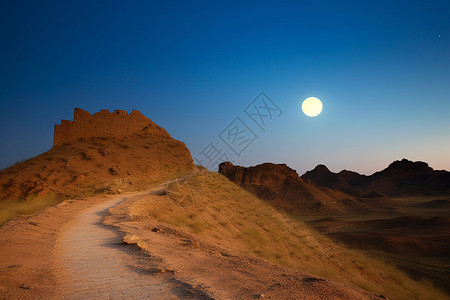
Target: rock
[
  {"x": 104, "y": 152},
  {"x": 79, "y": 178},
  {"x": 264, "y": 174},
  {"x": 85, "y": 156},
  {"x": 285, "y": 190},
  {"x": 112, "y": 190},
  {"x": 258, "y": 296}
]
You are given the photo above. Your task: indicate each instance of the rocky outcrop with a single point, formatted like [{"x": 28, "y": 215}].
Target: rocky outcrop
[
  {"x": 346, "y": 181},
  {"x": 282, "y": 186},
  {"x": 264, "y": 174}
]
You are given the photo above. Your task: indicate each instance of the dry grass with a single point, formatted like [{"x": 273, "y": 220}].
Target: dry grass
[
  {"x": 71, "y": 170},
  {"x": 12, "y": 208},
  {"x": 221, "y": 212}
]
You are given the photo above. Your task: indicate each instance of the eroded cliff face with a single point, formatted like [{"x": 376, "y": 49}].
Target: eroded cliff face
[
  {"x": 100, "y": 153},
  {"x": 264, "y": 174},
  {"x": 282, "y": 186}
]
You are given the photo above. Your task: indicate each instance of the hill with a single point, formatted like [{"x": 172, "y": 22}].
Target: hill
[
  {"x": 364, "y": 220},
  {"x": 400, "y": 178},
  {"x": 209, "y": 213},
  {"x": 100, "y": 153},
  {"x": 284, "y": 189}
]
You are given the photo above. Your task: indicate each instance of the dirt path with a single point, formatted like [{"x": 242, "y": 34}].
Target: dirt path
[
  {"x": 99, "y": 266},
  {"x": 65, "y": 252},
  {"x": 96, "y": 264},
  {"x": 27, "y": 250}
]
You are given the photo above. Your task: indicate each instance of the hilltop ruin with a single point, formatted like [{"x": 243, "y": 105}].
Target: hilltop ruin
[
  {"x": 105, "y": 152},
  {"x": 101, "y": 124}
]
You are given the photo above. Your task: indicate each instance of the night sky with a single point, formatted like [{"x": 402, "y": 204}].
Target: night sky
[{"x": 381, "y": 69}]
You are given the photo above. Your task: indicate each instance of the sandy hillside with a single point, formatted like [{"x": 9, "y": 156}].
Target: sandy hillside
[
  {"x": 65, "y": 251},
  {"x": 209, "y": 209},
  {"x": 100, "y": 162}
]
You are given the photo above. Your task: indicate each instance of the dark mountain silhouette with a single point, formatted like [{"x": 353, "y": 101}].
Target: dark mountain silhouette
[
  {"x": 282, "y": 186},
  {"x": 400, "y": 178}
]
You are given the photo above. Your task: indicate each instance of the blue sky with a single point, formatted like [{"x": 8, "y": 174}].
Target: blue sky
[{"x": 381, "y": 69}]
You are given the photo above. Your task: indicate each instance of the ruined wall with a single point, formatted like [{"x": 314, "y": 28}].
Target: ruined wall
[{"x": 101, "y": 124}]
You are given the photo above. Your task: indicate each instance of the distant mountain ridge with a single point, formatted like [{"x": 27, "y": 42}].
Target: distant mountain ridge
[
  {"x": 322, "y": 191},
  {"x": 400, "y": 178},
  {"x": 284, "y": 189}
]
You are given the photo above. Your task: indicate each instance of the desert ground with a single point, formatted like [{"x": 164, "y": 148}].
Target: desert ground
[
  {"x": 95, "y": 249},
  {"x": 184, "y": 240},
  {"x": 406, "y": 227},
  {"x": 412, "y": 233}
]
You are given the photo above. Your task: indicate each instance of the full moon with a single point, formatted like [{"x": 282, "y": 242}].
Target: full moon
[{"x": 312, "y": 106}]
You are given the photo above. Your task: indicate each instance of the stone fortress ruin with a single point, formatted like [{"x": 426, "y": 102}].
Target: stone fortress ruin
[{"x": 101, "y": 124}]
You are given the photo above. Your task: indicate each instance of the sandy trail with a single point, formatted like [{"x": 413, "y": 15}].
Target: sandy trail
[{"x": 98, "y": 265}]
